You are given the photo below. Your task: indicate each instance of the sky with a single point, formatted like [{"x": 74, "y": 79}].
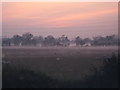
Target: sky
[
  {"x": 60, "y": 0},
  {"x": 84, "y": 19}
]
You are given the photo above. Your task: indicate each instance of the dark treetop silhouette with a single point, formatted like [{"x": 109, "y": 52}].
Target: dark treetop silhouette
[{"x": 28, "y": 39}]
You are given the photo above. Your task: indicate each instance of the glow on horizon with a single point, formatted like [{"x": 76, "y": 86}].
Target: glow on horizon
[{"x": 60, "y": 18}]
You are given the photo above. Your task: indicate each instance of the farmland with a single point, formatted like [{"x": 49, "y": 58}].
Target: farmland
[{"x": 67, "y": 63}]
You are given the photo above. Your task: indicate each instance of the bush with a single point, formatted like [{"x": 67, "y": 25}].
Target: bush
[
  {"x": 24, "y": 78},
  {"x": 107, "y": 76}
]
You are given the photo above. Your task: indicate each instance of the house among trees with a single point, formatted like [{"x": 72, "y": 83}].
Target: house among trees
[
  {"x": 72, "y": 44},
  {"x": 87, "y": 44},
  {"x": 65, "y": 44}
]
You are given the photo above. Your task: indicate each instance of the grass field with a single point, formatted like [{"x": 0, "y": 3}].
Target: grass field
[{"x": 67, "y": 63}]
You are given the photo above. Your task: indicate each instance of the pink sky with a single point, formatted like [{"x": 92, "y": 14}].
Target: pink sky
[{"x": 72, "y": 19}]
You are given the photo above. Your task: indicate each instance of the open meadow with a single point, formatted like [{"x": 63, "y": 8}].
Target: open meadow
[{"x": 66, "y": 63}]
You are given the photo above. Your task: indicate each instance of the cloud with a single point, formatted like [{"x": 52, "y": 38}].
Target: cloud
[
  {"x": 70, "y": 20},
  {"x": 55, "y": 15}
]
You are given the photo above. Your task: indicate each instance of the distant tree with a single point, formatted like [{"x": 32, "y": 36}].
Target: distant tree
[
  {"x": 79, "y": 41},
  {"x": 40, "y": 39},
  {"x": 87, "y": 40},
  {"x": 6, "y": 41},
  {"x": 108, "y": 40},
  {"x": 37, "y": 40},
  {"x": 17, "y": 40},
  {"x": 63, "y": 41},
  {"x": 27, "y": 39},
  {"x": 49, "y": 41},
  {"x": 99, "y": 40},
  {"x": 27, "y": 36},
  {"x": 112, "y": 40}
]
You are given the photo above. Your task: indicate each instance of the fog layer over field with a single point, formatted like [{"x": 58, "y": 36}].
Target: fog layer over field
[{"x": 59, "y": 62}]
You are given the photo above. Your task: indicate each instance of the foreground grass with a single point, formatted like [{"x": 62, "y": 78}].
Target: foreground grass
[{"x": 106, "y": 77}]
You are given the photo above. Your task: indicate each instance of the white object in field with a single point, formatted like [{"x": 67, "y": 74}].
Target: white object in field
[
  {"x": 87, "y": 44},
  {"x": 57, "y": 59}
]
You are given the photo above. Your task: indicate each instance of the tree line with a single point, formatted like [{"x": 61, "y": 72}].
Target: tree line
[{"x": 28, "y": 39}]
